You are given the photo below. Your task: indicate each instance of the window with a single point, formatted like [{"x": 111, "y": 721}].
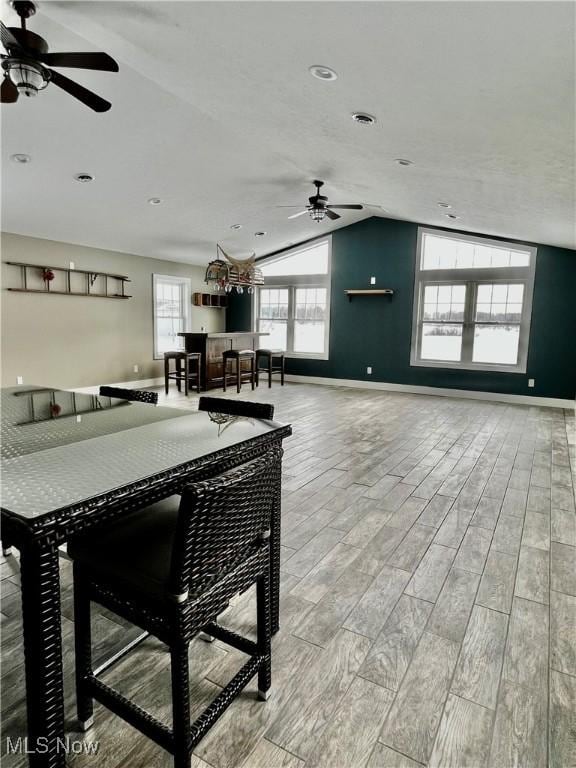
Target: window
[
  {"x": 472, "y": 302},
  {"x": 309, "y": 319},
  {"x": 274, "y": 315},
  {"x": 294, "y": 305},
  {"x": 171, "y": 296}
]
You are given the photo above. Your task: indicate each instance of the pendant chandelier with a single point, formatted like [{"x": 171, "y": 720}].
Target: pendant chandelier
[{"x": 225, "y": 274}]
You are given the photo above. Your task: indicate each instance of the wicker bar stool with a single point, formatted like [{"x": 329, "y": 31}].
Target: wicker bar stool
[
  {"x": 173, "y": 574},
  {"x": 271, "y": 360},
  {"x": 188, "y": 368},
  {"x": 239, "y": 356}
]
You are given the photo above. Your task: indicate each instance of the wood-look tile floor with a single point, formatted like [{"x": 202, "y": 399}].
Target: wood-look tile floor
[{"x": 429, "y": 598}]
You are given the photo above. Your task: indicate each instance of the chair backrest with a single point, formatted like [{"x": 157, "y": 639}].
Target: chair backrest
[
  {"x": 236, "y": 407},
  {"x": 222, "y": 521},
  {"x": 140, "y": 395}
]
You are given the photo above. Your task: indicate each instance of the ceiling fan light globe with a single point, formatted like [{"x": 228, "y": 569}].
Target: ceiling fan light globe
[
  {"x": 317, "y": 214},
  {"x": 27, "y": 78}
]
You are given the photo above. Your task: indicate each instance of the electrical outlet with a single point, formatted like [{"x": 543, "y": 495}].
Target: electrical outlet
[
  {"x": 19, "y": 380},
  {"x": 372, "y": 281},
  {"x": 530, "y": 382},
  {"x": 78, "y": 418},
  {"x": 72, "y": 265},
  {"x": 135, "y": 369},
  {"x": 369, "y": 369}
]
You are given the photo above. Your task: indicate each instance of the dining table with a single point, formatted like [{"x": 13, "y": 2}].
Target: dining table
[{"x": 71, "y": 461}]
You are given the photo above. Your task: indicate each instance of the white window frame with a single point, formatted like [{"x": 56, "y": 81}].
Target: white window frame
[
  {"x": 292, "y": 282},
  {"x": 185, "y": 284},
  {"x": 472, "y": 278}
]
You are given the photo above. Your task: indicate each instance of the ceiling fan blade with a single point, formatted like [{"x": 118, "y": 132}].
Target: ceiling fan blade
[
  {"x": 100, "y": 61},
  {"x": 295, "y": 215},
  {"x": 8, "y": 91},
  {"x": 79, "y": 92},
  {"x": 332, "y": 215},
  {"x": 8, "y": 40},
  {"x": 288, "y": 206},
  {"x": 347, "y": 207}
]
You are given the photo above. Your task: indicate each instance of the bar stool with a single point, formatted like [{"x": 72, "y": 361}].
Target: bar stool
[
  {"x": 268, "y": 357},
  {"x": 239, "y": 355},
  {"x": 183, "y": 360}
]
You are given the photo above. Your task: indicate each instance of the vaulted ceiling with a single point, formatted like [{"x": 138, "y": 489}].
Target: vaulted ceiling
[{"x": 215, "y": 112}]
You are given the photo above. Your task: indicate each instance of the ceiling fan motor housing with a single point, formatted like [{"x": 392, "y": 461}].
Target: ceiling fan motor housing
[{"x": 29, "y": 40}]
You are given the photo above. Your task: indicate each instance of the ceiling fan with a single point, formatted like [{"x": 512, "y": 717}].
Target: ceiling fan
[
  {"x": 318, "y": 206},
  {"x": 25, "y": 70}
]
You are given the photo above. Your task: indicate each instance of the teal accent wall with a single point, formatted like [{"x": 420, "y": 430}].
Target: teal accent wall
[{"x": 377, "y": 331}]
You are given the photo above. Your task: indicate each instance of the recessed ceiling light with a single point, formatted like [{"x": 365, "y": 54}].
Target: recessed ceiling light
[
  {"x": 84, "y": 178},
  {"x": 20, "y": 158},
  {"x": 260, "y": 234},
  {"x": 451, "y": 216},
  {"x": 322, "y": 73},
  {"x": 236, "y": 226},
  {"x": 403, "y": 161},
  {"x": 444, "y": 205},
  {"x": 155, "y": 200},
  {"x": 363, "y": 118}
]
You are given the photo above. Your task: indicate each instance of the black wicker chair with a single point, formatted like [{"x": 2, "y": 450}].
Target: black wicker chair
[
  {"x": 139, "y": 395},
  {"x": 172, "y": 574},
  {"x": 236, "y": 407}
]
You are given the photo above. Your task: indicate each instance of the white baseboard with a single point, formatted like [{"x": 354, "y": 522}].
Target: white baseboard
[
  {"x": 549, "y": 402},
  {"x": 470, "y": 394},
  {"x": 136, "y": 384}
]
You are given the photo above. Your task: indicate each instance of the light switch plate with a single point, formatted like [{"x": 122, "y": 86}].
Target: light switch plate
[
  {"x": 530, "y": 382},
  {"x": 72, "y": 265},
  {"x": 369, "y": 369},
  {"x": 372, "y": 281},
  {"x": 19, "y": 380},
  {"x": 135, "y": 369}
]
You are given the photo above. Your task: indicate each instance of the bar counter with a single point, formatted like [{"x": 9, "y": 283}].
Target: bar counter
[{"x": 212, "y": 345}]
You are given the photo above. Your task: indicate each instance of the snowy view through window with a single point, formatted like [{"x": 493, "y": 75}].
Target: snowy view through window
[{"x": 471, "y": 301}]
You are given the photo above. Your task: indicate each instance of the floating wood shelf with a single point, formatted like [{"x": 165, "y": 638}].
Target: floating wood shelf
[
  {"x": 90, "y": 277},
  {"x": 219, "y": 300},
  {"x": 368, "y": 292}
]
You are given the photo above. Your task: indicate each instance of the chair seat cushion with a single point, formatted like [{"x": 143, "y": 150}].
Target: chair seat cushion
[{"x": 132, "y": 552}]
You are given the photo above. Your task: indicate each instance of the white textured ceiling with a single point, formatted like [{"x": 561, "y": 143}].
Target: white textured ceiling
[{"x": 214, "y": 111}]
